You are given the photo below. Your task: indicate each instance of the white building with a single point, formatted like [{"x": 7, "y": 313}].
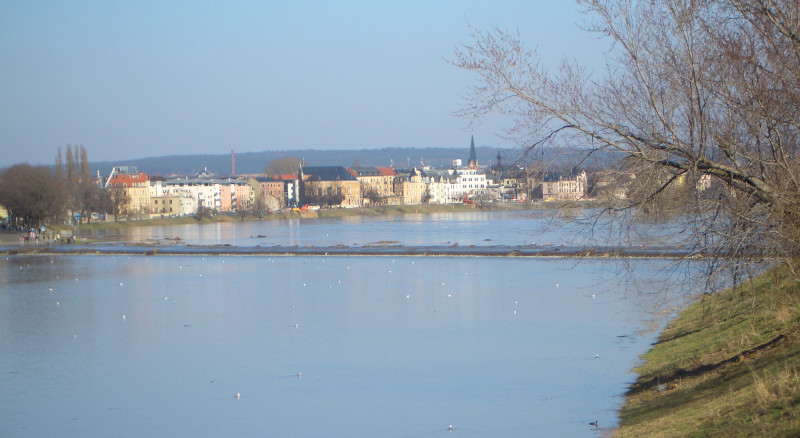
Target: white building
[
  {"x": 471, "y": 182},
  {"x": 194, "y": 193}
]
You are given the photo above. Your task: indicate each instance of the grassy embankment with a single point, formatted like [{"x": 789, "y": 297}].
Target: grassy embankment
[{"x": 729, "y": 365}]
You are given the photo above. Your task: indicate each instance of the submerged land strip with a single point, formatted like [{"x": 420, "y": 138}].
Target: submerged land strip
[{"x": 345, "y": 250}]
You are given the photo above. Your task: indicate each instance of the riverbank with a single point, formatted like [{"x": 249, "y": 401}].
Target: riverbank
[
  {"x": 729, "y": 365},
  {"x": 8, "y": 238}
]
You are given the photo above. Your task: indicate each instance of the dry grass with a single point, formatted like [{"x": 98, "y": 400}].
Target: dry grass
[{"x": 729, "y": 365}]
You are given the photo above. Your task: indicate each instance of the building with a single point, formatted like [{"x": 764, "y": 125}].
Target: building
[
  {"x": 438, "y": 186},
  {"x": 564, "y": 186},
  {"x": 235, "y": 195},
  {"x": 202, "y": 193},
  {"x": 270, "y": 193},
  {"x": 377, "y": 184},
  {"x": 470, "y": 182},
  {"x": 409, "y": 188},
  {"x": 166, "y": 206},
  {"x": 323, "y": 184},
  {"x": 291, "y": 189},
  {"x": 133, "y": 185}
]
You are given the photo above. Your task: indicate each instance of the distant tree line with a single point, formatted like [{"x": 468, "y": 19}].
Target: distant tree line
[{"x": 254, "y": 162}]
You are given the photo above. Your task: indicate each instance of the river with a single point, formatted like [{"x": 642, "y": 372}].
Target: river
[{"x": 315, "y": 346}]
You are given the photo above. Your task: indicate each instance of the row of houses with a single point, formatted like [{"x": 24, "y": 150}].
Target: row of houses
[{"x": 347, "y": 187}]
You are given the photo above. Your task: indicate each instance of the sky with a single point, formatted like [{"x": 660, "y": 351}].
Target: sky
[{"x": 135, "y": 79}]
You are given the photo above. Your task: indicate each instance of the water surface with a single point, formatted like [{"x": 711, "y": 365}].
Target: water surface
[{"x": 98, "y": 346}]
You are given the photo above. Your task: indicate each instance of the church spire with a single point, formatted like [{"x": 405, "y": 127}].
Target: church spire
[{"x": 473, "y": 156}]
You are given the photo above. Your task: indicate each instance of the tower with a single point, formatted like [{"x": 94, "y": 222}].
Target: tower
[{"x": 473, "y": 156}]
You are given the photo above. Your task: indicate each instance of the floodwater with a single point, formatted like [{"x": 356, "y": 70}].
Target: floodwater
[
  {"x": 98, "y": 346},
  {"x": 483, "y": 228}
]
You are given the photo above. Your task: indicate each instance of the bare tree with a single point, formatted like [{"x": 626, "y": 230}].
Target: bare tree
[
  {"x": 32, "y": 194},
  {"x": 86, "y": 173},
  {"x": 694, "y": 91},
  {"x": 70, "y": 164},
  {"x": 118, "y": 198},
  {"x": 372, "y": 195},
  {"x": 82, "y": 191},
  {"x": 59, "y": 165}
]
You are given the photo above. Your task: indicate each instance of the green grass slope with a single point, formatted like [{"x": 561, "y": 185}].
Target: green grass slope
[{"x": 729, "y": 365}]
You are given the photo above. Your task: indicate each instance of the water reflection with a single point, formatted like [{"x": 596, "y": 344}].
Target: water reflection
[{"x": 385, "y": 346}]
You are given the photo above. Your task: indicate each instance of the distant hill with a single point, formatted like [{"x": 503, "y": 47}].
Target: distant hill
[{"x": 256, "y": 162}]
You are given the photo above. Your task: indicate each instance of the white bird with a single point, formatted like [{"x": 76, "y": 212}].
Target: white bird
[
  {"x": 123, "y": 316},
  {"x": 237, "y": 395},
  {"x": 597, "y": 356},
  {"x": 299, "y": 375},
  {"x": 450, "y": 429}
]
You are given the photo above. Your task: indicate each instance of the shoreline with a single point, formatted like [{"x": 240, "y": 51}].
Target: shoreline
[{"x": 385, "y": 210}]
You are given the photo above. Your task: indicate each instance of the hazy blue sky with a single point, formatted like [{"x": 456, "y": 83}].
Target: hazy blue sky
[{"x": 131, "y": 79}]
